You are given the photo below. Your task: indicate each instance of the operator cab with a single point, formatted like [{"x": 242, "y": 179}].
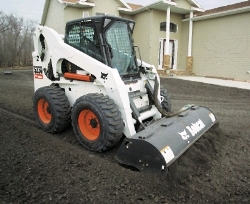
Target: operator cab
[{"x": 107, "y": 39}]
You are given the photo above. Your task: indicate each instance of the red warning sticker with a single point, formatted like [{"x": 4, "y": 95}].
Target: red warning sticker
[{"x": 39, "y": 76}]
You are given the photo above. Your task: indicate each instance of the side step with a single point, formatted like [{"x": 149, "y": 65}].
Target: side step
[
  {"x": 137, "y": 111},
  {"x": 145, "y": 108},
  {"x": 137, "y": 94}
]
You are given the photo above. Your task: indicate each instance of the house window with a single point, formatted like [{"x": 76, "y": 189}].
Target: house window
[
  {"x": 173, "y": 27},
  {"x": 100, "y": 14},
  {"x": 85, "y": 14},
  {"x": 104, "y": 14}
]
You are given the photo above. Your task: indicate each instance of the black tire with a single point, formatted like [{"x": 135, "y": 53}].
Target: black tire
[
  {"x": 166, "y": 103},
  {"x": 97, "y": 122},
  {"x": 52, "y": 109}
]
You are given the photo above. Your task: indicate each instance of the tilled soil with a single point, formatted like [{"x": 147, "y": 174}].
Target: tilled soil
[{"x": 37, "y": 167}]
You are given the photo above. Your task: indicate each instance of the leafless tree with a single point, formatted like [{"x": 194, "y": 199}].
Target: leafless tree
[
  {"x": 16, "y": 43},
  {"x": 25, "y": 44},
  {"x": 4, "y": 22}
]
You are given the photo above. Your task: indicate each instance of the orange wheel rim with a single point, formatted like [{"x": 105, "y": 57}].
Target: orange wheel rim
[
  {"x": 44, "y": 111},
  {"x": 89, "y": 125}
]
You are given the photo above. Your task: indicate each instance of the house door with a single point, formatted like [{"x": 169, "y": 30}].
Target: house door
[{"x": 172, "y": 53}]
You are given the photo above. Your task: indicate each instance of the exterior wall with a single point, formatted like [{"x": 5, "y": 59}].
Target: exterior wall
[
  {"x": 55, "y": 16},
  {"x": 72, "y": 13},
  {"x": 156, "y": 34},
  {"x": 107, "y": 6},
  {"x": 142, "y": 35},
  {"x": 221, "y": 47},
  {"x": 183, "y": 49},
  {"x": 67, "y": 13},
  {"x": 183, "y": 4},
  {"x": 127, "y": 16}
]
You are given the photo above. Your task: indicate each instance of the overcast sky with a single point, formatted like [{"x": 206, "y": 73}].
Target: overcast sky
[{"x": 32, "y": 9}]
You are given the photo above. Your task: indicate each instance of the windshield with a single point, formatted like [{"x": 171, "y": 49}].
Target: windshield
[{"x": 118, "y": 37}]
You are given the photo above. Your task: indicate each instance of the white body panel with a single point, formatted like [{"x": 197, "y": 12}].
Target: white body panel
[{"x": 112, "y": 85}]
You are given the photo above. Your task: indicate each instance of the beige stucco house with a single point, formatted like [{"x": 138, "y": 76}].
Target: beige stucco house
[
  {"x": 212, "y": 43},
  {"x": 221, "y": 42}
]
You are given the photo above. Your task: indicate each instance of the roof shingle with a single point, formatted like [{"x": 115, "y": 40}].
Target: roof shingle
[
  {"x": 134, "y": 6},
  {"x": 225, "y": 8}
]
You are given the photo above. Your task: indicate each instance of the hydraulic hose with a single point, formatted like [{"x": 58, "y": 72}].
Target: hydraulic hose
[{"x": 158, "y": 105}]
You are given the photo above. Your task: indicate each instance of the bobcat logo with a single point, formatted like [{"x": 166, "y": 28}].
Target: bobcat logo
[
  {"x": 184, "y": 135},
  {"x": 38, "y": 70},
  {"x": 195, "y": 128},
  {"x": 104, "y": 76}
]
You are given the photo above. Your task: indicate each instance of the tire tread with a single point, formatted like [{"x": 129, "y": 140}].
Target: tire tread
[{"x": 111, "y": 115}]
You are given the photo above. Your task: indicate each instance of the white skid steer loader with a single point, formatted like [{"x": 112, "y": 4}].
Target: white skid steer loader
[{"x": 91, "y": 78}]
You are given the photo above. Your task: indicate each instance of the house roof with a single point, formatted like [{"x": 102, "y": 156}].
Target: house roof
[
  {"x": 82, "y": 1},
  {"x": 192, "y": 3},
  {"x": 162, "y": 5},
  {"x": 134, "y": 6},
  {"x": 232, "y": 9},
  {"x": 125, "y": 4},
  {"x": 138, "y": 6},
  {"x": 226, "y": 8},
  {"x": 129, "y": 8},
  {"x": 71, "y": 1},
  {"x": 78, "y": 3}
]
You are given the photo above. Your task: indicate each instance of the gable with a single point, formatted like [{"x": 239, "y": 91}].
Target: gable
[
  {"x": 177, "y": 6},
  {"x": 71, "y": 1},
  {"x": 119, "y": 5},
  {"x": 121, "y": 2},
  {"x": 183, "y": 4},
  {"x": 111, "y": 7},
  {"x": 194, "y": 3}
]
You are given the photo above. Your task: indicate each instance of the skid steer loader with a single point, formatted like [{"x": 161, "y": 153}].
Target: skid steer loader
[{"x": 90, "y": 77}]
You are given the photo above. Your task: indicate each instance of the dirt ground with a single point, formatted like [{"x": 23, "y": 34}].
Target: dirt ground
[{"x": 37, "y": 167}]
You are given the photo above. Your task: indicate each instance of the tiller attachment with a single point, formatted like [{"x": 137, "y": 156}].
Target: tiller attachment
[{"x": 161, "y": 143}]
